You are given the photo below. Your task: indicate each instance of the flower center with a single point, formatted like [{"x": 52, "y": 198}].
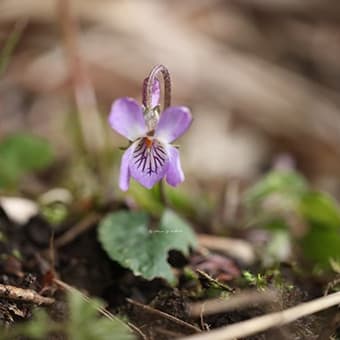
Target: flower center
[
  {"x": 149, "y": 156},
  {"x": 148, "y": 142}
]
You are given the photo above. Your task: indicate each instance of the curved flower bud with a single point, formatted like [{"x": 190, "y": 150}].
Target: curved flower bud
[{"x": 155, "y": 93}]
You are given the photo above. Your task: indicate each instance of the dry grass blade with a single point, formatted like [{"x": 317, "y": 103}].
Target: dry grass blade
[
  {"x": 262, "y": 323},
  {"x": 7, "y": 50},
  {"x": 84, "y": 94},
  {"x": 165, "y": 315},
  {"x": 237, "y": 301}
]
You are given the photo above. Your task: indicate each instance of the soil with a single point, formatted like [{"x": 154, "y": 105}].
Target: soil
[{"x": 25, "y": 262}]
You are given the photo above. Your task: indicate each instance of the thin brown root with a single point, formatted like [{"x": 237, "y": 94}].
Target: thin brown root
[
  {"x": 84, "y": 225},
  {"x": 165, "y": 315}
]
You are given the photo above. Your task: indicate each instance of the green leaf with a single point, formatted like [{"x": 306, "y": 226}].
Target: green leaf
[
  {"x": 127, "y": 239},
  {"x": 320, "y": 209},
  {"x": 335, "y": 265},
  {"x": 22, "y": 153},
  {"x": 286, "y": 183},
  {"x": 283, "y": 201},
  {"x": 322, "y": 242},
  {"x": 321, "y": 245},
  {"x": 85, "y": 324}
]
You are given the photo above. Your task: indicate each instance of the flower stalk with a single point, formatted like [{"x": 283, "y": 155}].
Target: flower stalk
[{"x": 147, "y": 102}]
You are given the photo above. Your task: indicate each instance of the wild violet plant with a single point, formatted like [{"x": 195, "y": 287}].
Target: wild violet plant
[
  {"x": 127, "y": 236},
  {"x": 150, "y": 156}
]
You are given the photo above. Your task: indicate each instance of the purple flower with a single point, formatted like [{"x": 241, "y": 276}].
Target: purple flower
[{"x": 150, "y": 157}]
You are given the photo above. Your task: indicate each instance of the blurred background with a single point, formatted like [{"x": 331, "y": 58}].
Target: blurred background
[{"x": 262, "y": 78}]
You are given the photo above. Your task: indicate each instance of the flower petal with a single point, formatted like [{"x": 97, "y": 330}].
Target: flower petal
[
  {"x": 149, "y": 161},
  {"x": 127, "y": 118},
  {"x": 174, "y": 175},
  {"x": 174, "y": 121},
  {"x": 124, "y": 176},
  {"x": 155, "y": 93}
]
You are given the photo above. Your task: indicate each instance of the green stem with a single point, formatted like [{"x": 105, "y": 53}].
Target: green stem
[
  {"x": 11, "y": 44},
  {"x": 162, "y": 194}
]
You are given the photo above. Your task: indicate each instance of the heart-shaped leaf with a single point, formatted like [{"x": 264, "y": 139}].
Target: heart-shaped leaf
[{"x": 128, "y": 239}]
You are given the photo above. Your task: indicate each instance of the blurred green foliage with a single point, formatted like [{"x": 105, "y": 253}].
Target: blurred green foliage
[
  {"x": 55, "y": 213},
  {"x": 21, "y": 154},
  {"x": 286, "y": 183},
  {"x": 129, "y": 239},
  {"x": 282, "y": 200},
  {"x": 83, "y": 322}
]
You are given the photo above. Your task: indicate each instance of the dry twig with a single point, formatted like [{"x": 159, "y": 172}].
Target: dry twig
[
  {"x": 262, "y": 323},
  {"x": 27, "y": 295},
  {"x": 84, "y": 225}
]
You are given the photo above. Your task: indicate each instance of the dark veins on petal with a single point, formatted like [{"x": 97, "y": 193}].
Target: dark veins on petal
[{"x": 149, "y": 156}]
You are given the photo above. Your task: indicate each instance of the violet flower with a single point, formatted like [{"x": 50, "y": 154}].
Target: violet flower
[{"x": 150, "y": 156}]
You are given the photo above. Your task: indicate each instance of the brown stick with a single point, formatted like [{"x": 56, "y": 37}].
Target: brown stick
[
  {"x": 27, "y": 295},
  {"x": 79, "y": 228},
  {"x": 164, "y": 315},
  {"x": 262, "y": 323}
]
